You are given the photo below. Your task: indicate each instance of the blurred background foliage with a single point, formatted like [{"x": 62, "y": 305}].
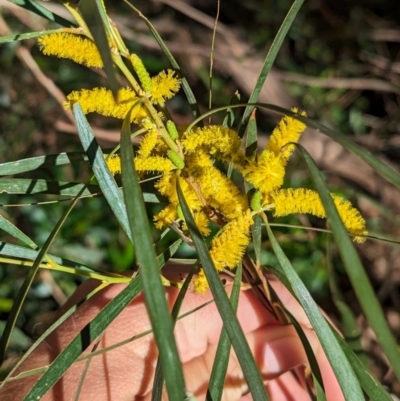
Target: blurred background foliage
[{"x": 340, "y": 63}]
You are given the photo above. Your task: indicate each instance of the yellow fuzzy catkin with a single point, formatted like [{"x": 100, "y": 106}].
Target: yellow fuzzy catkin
[
  {"x": 198, "y": 159},
  {"x": 288, "y": 130},
  {"x": 202, "y": 223},
  {"x": 166, "y": 217},
  {"x": 148, "y": 143},
  {"x": 166, "y": 185},
  {"x": 74, "y": 47},
  {"x": 227, "y": 248},
  {"x": 164, "y": 86},
  {"x": 114, "y": 164},
  {"x": 266, "y": 174},
  {"x": 220, "y": 192},
  {"x": 301, "y": 200},
  {"x": 101, "y": 101},
  {"x": 200, "y": 283},
  {"x": 154, "y": 163},
  {"x": 219, "y": 141}
]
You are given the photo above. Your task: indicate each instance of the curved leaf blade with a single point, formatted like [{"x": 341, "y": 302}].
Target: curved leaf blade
[
  {"x": 228, "y": 316},
  {"x": 75, "y": 348},
  {"x": 38, "y": 9},
  {"x": 97, "y": 21},
  {"x": 106, "y": 181},
  {"x": 153, "y": 289},
  {"x": 269, "y": 61},
  {"x": 340, "y": 365},
  {"x": 221, "y": 360},
  {"x": 38, "y": 162},
  {"x": 354, "y": 269}
]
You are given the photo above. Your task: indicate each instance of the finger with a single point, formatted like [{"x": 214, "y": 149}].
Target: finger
[
  {"x": 287, "y": 388},
  {"x": 277, "y": 349},
  {"x": 193, "y": 336}
]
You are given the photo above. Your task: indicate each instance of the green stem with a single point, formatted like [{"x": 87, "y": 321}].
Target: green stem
[
  {"x": 78, "y": 18},
  {"x": 146, "y": 102}
]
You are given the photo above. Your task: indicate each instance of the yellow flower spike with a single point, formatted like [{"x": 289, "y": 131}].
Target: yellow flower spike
[
  {"x": 101, "y": 101},
  {"x": 220, "y": 192},
  {"x": 140, "y": 69},
  {"x": 114, "y": 164},
  {"x": 301, "y": 200},
  {"x": 202, "y": 223},
  {"x": 154, "y": 163},
  {"x": 227, "y": 248},
  {"x": 191, "y": 197},
  {"x": 74, "y": 47},
  {"x": 200, "y": 283},
  {"x": 288, "y": 130},
  {"x": 198, "y": 159},
  {"x": 220, "y": 141},
  {"x": 267, "y": 173},
  {"x": 166, "y": 185},
  {"x": 148, "y": 143},
  {"x": 166, "y": 217},
  {"x": 164, "y": 86}
]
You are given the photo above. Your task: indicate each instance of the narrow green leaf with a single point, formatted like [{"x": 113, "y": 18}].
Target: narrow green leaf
[
  {"x": 251, "y": 137},
  {"x": 154, "y": 293},
  {"x": 221, "y": 360},
  {"x": 269, "y": 61},
  {"x": 312, "y": 360},
  {"x": 38, "y": 9},
  {"x": 18, "y": 252},
  {"x": 164, "y": 256},
  {"x": 35, "y": 163},
  {"x": 56, "y": 324},
  {"x": 29, "y": 186},
  {"x": 158, "y": 377},
  {"x": 75, "y": 348},
  {"x": 18, "y": 340},
  {"x": 229, "y": 118},
  {"x": 354, "y": 269},
  {"x": 23, "y": 291},
  {"x": 28, "y": 35},
  {"x": 348, "y": 323},
  {"x": 185, "y": 85},
  {"x": 230, "y": 321},
  {"x": 319, "y": 390},
  {"x": 97, "y": 21},
  {"x": 8, "y": 227},
  {"x": 251, "y": 150},
  {"x": 370, "y": 385},
  {"x": 106, "y": 180},
  {"x": 340, "y": 365}
]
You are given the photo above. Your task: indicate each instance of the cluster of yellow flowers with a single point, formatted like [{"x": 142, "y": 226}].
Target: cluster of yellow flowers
[{"x": 190, "y": 157}]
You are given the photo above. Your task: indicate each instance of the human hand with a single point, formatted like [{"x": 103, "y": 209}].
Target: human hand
[{"x": 126, "y": 373}]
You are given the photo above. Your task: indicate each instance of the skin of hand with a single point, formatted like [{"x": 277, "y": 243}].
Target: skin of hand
[{"x": 126, "y": 373}]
